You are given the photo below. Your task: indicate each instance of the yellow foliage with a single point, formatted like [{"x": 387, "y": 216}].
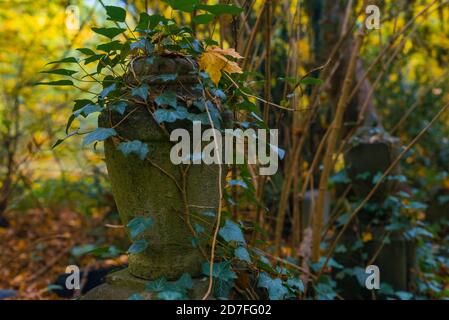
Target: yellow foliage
[
  {"x": 214, "y": 61},
  {"x": 367, "y": 236}
]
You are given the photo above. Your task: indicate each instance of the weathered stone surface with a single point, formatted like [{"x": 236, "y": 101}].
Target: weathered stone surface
[
  {"x": 372, "y": 152},
  {"x": 147, "y": 187}
]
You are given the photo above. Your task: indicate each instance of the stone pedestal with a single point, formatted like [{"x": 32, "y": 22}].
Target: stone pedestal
[
  {"x": 121, "y": 285},
  {"x": 396, "y": 262}
]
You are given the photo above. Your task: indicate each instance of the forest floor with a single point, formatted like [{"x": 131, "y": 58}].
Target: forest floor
[{"x": 39, "y": 245}]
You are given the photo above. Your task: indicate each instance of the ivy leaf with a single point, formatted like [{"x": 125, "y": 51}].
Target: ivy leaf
[
  {"x": 110, "y": 46},
  {"x": 198, "y": 228},
  {"x": 138, "y": 225},
  {"x": 183, "y": 5},
  {"x": 65, "y": 60},
  {"x": 221, "y": 270},
  {"x": 185, "y": 281},
  {"x": 136, "y": 296},
  {"x": 143, "y": 44},
  {"x": 138, "y": 246},
  {"x": 103, "y": 94},
  {"x": 56, "y": 83},
  {"x": 93, "y": 58},
  {"x": 231, "y": 232},
  {"x": 171, "y": 295},
  {"x": 219, "y": 9},
  {"x": 276, "y": 290},
  {"x": 166, "y": 98},
  {"x": 100, "y": 134},
  {"x": 403, "y": 295},
  {"x": 63, "y": 72},
  {"x": 109, "y": 32},
  {"x": 242, "y": 254},
  {"x": 158, "y": 285},
  {"x": 166, "y": 77},
  {"x": 240, "y": 183},
  {"x": 86, "y": 51},
  {"x": 116, "y": 13},
  {"x": 141, "y": 92},
  {"x": 203, "y": 18},
  {"x": 296, "y": 283},
  {"x": 87, "y": 109},
  {"x": 135, "y": 146},
  {"x": 119, "y": 107},
  {"x": 164, "y": 115},
  {"x": 310, "y": 81}
]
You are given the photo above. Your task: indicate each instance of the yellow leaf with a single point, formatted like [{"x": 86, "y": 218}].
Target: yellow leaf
[
  {"x": 213, "y": 61},
  {"x": 367, "y": 236}
]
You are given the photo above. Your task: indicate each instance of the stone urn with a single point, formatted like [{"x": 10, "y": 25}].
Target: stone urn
[
  {"x": 151, "y": 187},
  {"x": 371, "y": 152}
]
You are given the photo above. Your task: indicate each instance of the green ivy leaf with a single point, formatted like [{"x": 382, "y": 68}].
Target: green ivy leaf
[
  {"x": 276, "y": 290},
  {"x": 93, "y": 58},
  {"x": 167, "y": 98},
  {"x": 56, "y": 83},
  {"x": 296, "y": 284},
  {"x": 110, "y": 46},
  {"x": 231, "y": 232},
  {"x": 143, "y": 44},
  {"x": 185, "y": 282},
  {"x": 158, "y": 285},
  {"x": 86, "y": 51},
  {"x": 136, "y": 296},
  {"x": 164, "y": 115},
  {"x": 403, "y": 295},
  {"x": 119, "y": 107},
  {"x": 182, "y": 5},
  {"x": 104, "y": 93},
  {"x": 310, "y": 81},
  {"x": 219, "y": 9},
  {"x": 109, "y": 32},
  {"x": 242, "y": 254},
  {"x": 135, "y": 146},
  {"x": 63, "y": 72},
  {"x": 65, "y": 60},
  {"x": 221, "y": 270},
  {"x": 138, "y": 225},
  {"x": 198, "y": 228},
  {"x": 203, "y": 18},
  {"x": 166, "y": 77},
  {"x": 116, "y": 13},
  {"x": 138, "y": 246},
  {"x": 100, "y": 134},
  {"x": 141, "y": 92},
  {"x": 172, "y": 295},
  {"x": 87, "y": 109}
]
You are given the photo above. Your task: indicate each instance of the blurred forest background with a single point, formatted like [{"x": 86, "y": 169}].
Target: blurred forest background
[{"x": 56, "y": 206}]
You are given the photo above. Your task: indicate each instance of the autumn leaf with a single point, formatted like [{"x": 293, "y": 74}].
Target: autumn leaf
[{"x": 214, "y": 62}]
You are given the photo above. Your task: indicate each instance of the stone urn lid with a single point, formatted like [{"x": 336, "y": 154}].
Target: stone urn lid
[{"x": 155, "y": 70}]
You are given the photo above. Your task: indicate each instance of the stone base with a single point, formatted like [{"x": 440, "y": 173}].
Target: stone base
[{"x": 121, "y": 285}]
